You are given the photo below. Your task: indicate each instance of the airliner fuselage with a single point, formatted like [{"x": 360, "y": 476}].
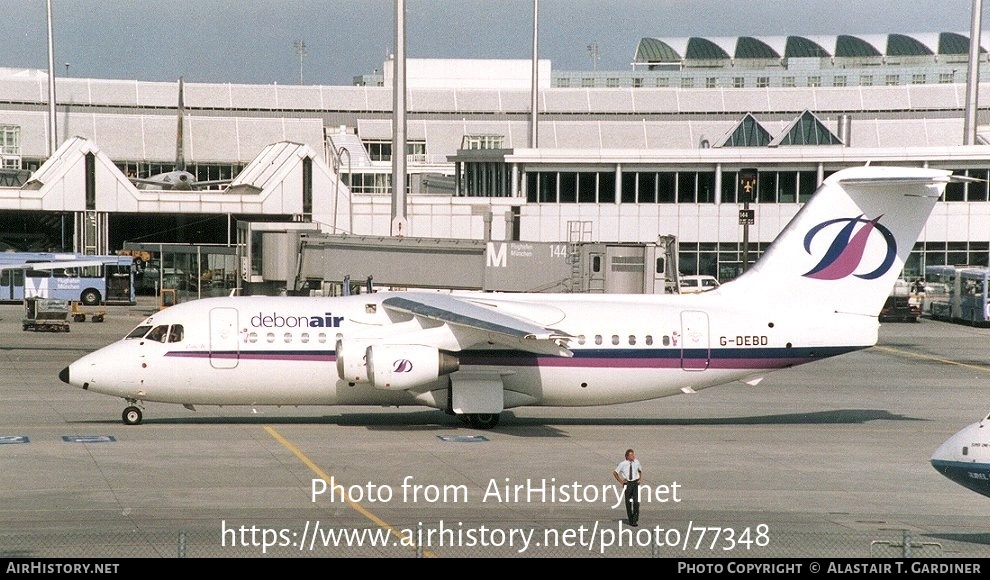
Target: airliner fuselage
[{"x": 284, "y": 351}]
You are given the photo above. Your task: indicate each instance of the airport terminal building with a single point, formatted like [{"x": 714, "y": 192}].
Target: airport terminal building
[{"x": 622, "y": 156}]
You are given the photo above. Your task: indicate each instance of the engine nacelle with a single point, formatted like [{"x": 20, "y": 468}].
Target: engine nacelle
[
  {"x": 351, "y": 362},
  {"x": 404, "y": 366}
]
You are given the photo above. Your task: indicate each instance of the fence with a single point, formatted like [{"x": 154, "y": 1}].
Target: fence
[{"x": 461, "y": 541}]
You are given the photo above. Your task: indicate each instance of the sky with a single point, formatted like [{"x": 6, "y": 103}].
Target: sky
[{"x": 252, "y": 41}]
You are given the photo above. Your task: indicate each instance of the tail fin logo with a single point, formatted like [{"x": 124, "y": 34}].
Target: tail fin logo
[{"x": 848, "y": 249}]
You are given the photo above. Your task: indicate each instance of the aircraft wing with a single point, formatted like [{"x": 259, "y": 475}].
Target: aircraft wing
[
  {"x": 498, "y": 328},
  {"x": 159, "y": 184},
  {"x": 212, "y": 182}
]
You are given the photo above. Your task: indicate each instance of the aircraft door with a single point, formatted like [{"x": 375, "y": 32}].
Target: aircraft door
[
  {"x": 695, "y": 348},
  {"x": 224, "y": 348}
]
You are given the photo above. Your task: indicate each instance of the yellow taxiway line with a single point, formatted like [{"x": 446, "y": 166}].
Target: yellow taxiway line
[
  {"x": 907, "y": 353},
  {"x": 326, "y": 477}
]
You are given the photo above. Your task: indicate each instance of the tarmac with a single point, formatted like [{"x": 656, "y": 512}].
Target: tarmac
[{"x": 829, "y": 459}]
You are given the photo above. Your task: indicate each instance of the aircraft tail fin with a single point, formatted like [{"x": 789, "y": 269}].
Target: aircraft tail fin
[
  {"x": 180, "y": 155},
  {"x": 846, "y": 247}
]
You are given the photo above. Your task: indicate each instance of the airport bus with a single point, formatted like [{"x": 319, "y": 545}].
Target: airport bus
[
  {"x": 957, "y": 293},
  {"x": 88, "y": 279}
]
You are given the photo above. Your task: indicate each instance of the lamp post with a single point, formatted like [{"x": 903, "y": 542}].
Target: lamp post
[{"x": 301, "y": 52}]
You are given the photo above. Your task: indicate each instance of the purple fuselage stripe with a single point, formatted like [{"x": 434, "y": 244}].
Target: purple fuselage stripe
[{"x": 757, "y": 358}]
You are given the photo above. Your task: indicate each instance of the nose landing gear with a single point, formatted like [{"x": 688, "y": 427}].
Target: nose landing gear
[{"x": 132, "y": 415}]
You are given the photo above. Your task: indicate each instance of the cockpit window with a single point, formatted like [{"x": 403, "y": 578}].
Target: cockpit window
[
  {"x": 158, "y": 333},
  {"x": 176, "y": 333},
  {"x": 139, "y": 332}
]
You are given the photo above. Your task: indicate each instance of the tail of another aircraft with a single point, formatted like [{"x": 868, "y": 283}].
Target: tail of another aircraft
[{"x": 846, "y": 247}]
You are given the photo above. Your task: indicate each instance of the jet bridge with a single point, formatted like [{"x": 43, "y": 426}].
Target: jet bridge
[{"x": 294, "y": 258}]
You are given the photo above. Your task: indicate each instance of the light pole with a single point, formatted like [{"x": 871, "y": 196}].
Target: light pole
[
  {"x": 53, "y": 134},
  {"x": 595, "y": 55},
  {"x": 301, "y": 51}
]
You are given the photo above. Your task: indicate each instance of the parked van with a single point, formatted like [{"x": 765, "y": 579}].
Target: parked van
[{"x": 694, "y": 284}]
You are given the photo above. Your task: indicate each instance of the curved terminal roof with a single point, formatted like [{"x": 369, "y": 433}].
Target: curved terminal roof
[
  {"x": 847, "y": 46},
  {"x": 656, "y": 50},
  {"x": 801, "y": 47},
  {"x": 750, "y": 47},
  {"x": 903, "y": 45},
  {"x": 954, "y": 43},
  {"x": 704, "y": 49},
  {"x": 667, "y": 50}
]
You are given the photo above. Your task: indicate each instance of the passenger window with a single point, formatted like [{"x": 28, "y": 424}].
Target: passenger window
[
  {"x": 270, "y": 337},
  {"x": 649, "y": 340},
  {"x": 287, "y": 337},
  {"x": 615, "y": 339},
  {"x": 176, "y": 334},
  {"x": 304, "y": 337},
  {"x": 598, "y": 339},
  {"x": 252, "y": 337},
  {"x": 666, "y": 340},
  {"x": 580, "y": 339},
  {"x": 322, "y": 337},
  {"x": 632, "y": 339}
]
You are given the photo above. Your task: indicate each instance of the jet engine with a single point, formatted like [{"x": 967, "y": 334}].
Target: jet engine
[
  {"x": 400, "y": 367},
  {"x": 392, "y": 366},
  {"x": 351, "y": 361}
]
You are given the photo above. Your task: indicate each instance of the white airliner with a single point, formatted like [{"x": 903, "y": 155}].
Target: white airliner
[
  {"x": 815, "y": 293},
  {"x": 178, "y": 178},
  {"x": 965, "y": 457}
]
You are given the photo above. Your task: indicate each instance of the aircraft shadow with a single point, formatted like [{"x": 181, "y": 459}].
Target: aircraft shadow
[
  {"x": 837, "y": 416},
  {"x": 516, "y": 426},
  {"x": 971, "y": 538}
]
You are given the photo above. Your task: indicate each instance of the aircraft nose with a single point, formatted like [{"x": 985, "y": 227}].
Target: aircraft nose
[{"x": 63, "y": 375}]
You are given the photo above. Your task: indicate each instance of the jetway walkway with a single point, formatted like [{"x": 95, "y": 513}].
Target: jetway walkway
[{"x": 293, "y": 259}]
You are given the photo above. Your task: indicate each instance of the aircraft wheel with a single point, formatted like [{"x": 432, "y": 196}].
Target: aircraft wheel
[
  {"x": 484, "y": 420},
  {"x": 132, "y": 416}
]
